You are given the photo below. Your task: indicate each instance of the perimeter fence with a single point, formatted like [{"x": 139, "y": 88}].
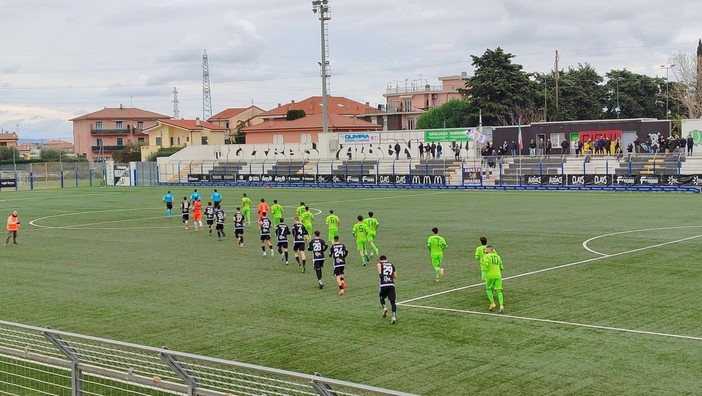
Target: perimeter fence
[{"x": 42, "y": 361}]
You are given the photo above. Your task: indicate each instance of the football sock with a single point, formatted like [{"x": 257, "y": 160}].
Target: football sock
[
  {"x": 490, "y": 296},
  {"x": 374, "y": 248},
  {"x": 437, "y": 272},
  {"x": 319, "y": 273},
  {"x": 500, "y": 298},
  {"x": 394, "y": 307},
  {"x": 263, "y": 249},
  {"x": 297, "y": 259},
  {"x": 286, "y": 255}
]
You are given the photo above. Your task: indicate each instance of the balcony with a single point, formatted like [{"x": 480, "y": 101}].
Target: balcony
[
  {"x": 122, "y": 131},
  {"x": 97, "y": 149}
]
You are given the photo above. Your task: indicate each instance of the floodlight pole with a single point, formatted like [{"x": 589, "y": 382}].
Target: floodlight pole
[
  {"x": 667, "y": 88},
  {"x": 321, "y": 7}
]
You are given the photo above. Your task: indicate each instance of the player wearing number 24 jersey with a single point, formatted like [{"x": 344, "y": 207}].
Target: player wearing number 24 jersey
[{"x": 338, "y": 253}]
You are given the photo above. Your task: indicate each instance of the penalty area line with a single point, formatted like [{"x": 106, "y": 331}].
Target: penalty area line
[
  {"x": 604, "y": 256},
  {"x": 560, "y": 322}
]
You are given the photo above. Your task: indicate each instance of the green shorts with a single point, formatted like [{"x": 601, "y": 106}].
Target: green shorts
[
  {"x": 308, "y": 227},
  {"x": 246, "y": 211},
  {"x": 332, "y": 234},
  {"x": 493, "y": 284},
  {"x": 370, "y": 236},
  {"x": 436, "y": 259},
  {"x": 360, "y": 245}
]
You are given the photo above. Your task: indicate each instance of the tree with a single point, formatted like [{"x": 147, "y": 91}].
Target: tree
[
  {"x": 685, "y": 91},
  {"x": 131, "y": 152},
  {"x": 455, "y": 113},
  {"x": 164, "y": 152},
  {"x": 500, "y": 89},
  {"x": 581, "y": 95},
  {"x": 295, "y": 114},
  {"x": 630, "y": 95}
]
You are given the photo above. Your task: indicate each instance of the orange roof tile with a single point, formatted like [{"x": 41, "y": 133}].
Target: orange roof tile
[
  {"x": 190, "y": 125},
  {"x": 109, "y": 113},
  {"x": 8, "y": 136},
  {"x": 231, "y": 112},
  {"x": 313, "y": 105},
  {"x": 335, "y": 121}
]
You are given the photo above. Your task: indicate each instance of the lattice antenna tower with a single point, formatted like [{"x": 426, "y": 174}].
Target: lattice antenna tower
[
  {"x": 321, "y": 8},
  {"x": 176, "y": 111},
  {"x": 206, "y": 93}
]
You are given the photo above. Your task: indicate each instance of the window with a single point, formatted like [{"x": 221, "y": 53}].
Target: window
[
  {"x": 119, "y": 125},
  {"x": 305, "y": 138},
  {"x": 159, "y": 141},
  {"x": 120, "y": 142},
  {"x": 408, "y": 104},
  {"x": 410, "y": 123},
  {"x": 141, "y": 140},
  {"x": 99, "y": 142},
  {"x": 203, "y": 140},
  {"x": 140, "y": 125},
  {"x": 178, "y": 140},
  {"x": 98, "y": 126},
  {"x": 278, "y": 139}
]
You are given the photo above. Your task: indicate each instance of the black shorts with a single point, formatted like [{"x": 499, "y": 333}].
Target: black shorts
[
  {"x": 210, "y": 222},
  {"x": 238, "y": 232},
  {"x": 387, "y": 292},
  {"x": 339, "y": 270},
  {"x": 169, "y": 205},
  {"x": 219, "y": 227},
  {"x": 283, "y": 245},
  {"x": 298, "y": 247},
  {"x": 265, "y": 237},
  {"x": 186, "y": 216},
  {"x": 318, "y": 263}
]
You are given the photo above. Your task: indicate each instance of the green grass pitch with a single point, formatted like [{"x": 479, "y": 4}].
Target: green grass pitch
[{"x": 619, "y": 314}]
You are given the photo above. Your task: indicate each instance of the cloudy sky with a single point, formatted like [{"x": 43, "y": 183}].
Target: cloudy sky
[{"x": 63, "y": 59}]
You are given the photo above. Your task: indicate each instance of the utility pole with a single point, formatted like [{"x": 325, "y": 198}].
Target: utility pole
[
  {"x": 321, "y": 7},
  {"x": 557, "y": 78},
  {"x": 176, "y": 111},
  {"x": 667, "y": 88}
]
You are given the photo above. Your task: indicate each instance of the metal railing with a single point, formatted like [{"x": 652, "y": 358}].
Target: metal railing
[{"x": 41, "y": 361}]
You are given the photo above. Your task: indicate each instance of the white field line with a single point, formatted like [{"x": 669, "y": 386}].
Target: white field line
[
  {"x": 586, "y": 247},
  {"x": 560, "y": 322},
  {"x": 553, "y": 268}
]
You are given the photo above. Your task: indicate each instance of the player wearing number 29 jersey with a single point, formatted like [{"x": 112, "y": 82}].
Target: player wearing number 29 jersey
[{"x": 387, "y": 275}]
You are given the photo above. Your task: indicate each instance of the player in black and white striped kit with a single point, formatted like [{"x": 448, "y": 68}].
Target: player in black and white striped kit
[
  {"x": 281, "y": 232},
  {"x": 317, "y": 246},
  {"x": 387, "y": 275},
  {"x": 338, "y": 253},
  {"x": 298, "y": 232},
  {"x": 239, "y": 221},
  {"x": 219, "y": 221},
  {"x": 265, "y": 225}
]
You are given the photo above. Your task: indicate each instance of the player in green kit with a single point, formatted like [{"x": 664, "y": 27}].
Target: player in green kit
[
  {"x": 436, "y": 245},
  {"x": 333, "y": 224},
  {"x": 491, "y": 265},
  {"x": 307, "y": 218},
  {"x": 246, "y": 208},
  {"x": 361, "y": 233},
  {"x": 276, "y": 211},
  {"x": 300, "y": 210},
  {"x": 372, "y": 225},
  {"x": 479, "y": 253}
]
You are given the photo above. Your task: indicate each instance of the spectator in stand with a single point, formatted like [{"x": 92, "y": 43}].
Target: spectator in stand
[
  {"x": 577, "y": 146},
  {"x": 397, "y": 150},
  {"x": 504, "y": 148},
  {"x": 690, "y": 142},
  {"x": 513, "y": 148},
  {"x": 439, "y": 150},
  {"x": 549, "y": 147},
  {"x": 683, "y": 144},
  {"x": 542, "y": 147},
  {"x": 565, "y": 146},
  {"x": 457, "y": 152},
  {"x": 433, "y": 150},
  {"x": 532, "y": 148},
  {"x": 637, "y": 144},
  {"x": 421, "y": 150}
]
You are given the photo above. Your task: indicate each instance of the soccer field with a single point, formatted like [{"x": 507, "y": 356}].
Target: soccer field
[{"x": 602, "y": 289}]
